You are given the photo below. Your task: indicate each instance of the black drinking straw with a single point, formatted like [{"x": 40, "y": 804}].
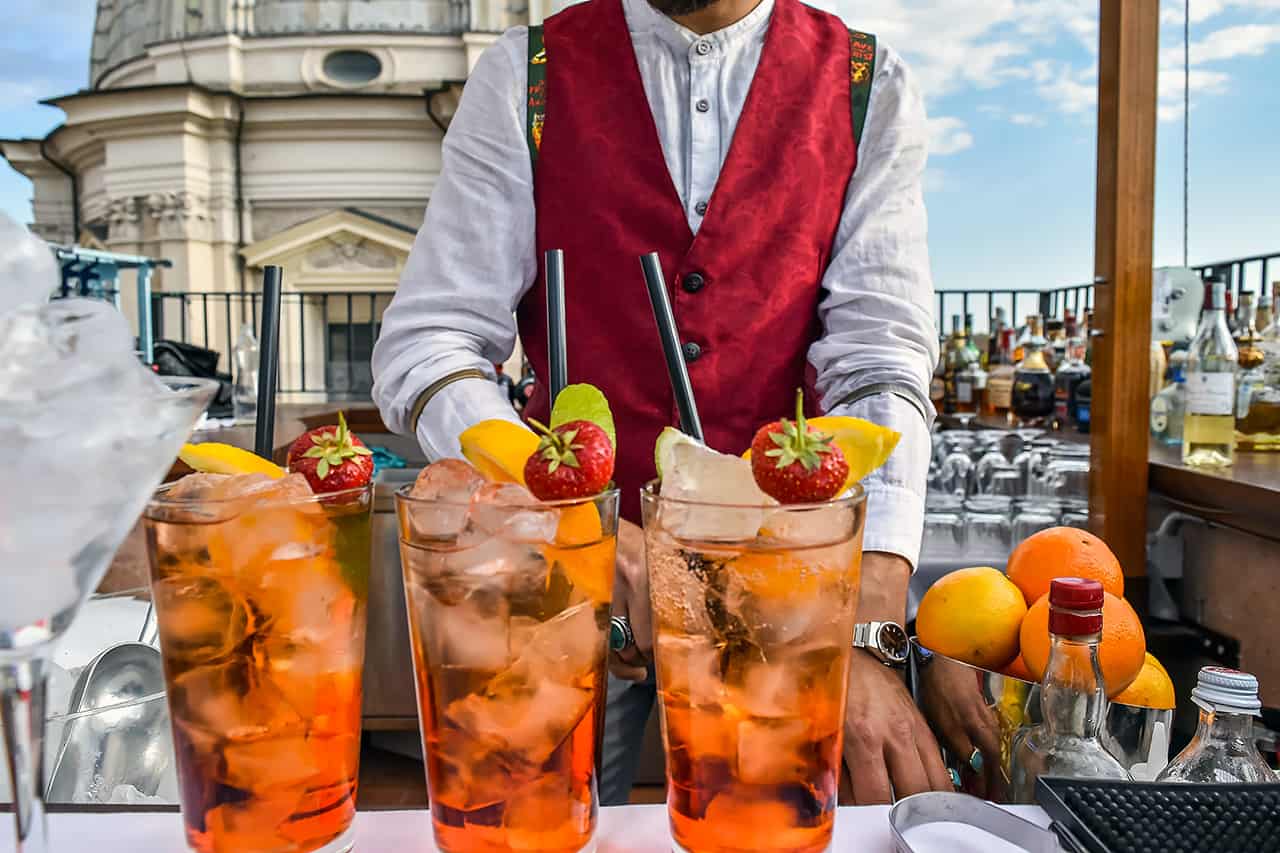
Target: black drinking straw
[
  {"x": 556, "y": 352},
  {"x": 268, "y": 363},
  {"x": 690, "y": 424}
]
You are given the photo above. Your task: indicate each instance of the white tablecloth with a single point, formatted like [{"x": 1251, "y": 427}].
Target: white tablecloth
[{"x": 624, "y": 829}]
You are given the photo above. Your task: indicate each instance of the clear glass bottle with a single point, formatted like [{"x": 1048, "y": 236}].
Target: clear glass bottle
[
  {"x": 244, "y": 392},
  {"x": 953, "y": 358},
  {"x": 1208, "y": 433},
  {"x": 1032, "y": 403},
  {"x": 1073, "y": 704},
  {"x": 1223, "y": 749},
  {"x": 971, "y": 379},
  {"x": 1169, "y": 406}
]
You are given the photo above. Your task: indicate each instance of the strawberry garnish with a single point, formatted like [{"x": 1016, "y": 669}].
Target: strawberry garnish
[
  {"x": 574, "y": 460},
  {"x": 333, "y": 459},
  {"x": 795, "y": 463}
]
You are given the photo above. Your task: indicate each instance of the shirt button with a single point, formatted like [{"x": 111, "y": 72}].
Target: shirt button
[
  {"x": 703, "y": 106},
  {"x": 701, "y": 208},
  {"x": 692, "y": 283},
  {"x": 702, "y": 48},
  {"x": 692, "y": 352}
]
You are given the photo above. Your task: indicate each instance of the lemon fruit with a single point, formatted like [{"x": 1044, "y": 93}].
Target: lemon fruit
[
  {"x": 214, "y": 458},
  {"x": 499, "y": 448},
  {"x": 973, "y": 615}
]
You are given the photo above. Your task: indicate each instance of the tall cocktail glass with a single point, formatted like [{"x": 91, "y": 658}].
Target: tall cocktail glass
[
  {"x": 85, "y": 445},
  {"x": 753, "y": 612},
  {"x": 260, "y": 589},
  {"x": 508, "y": 604}
]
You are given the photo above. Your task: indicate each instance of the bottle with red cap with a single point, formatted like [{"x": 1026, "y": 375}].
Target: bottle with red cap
[
  {"x": 1073, "y": 703},
  {"x": 1224, "y": 749}
]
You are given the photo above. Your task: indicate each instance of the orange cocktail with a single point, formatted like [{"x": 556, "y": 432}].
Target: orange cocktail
[
  {"x": 260, "y": 589},
  {"x": 753, "y": 614},
  {"x": 508, "y": 602}
]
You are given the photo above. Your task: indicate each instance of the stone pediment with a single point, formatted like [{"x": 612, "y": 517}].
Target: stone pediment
[{"x": 346, "y": 247}]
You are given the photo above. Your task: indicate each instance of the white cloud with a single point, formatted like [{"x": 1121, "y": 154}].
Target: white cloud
[
  {"x": 1066, "y": 89},
  {"x": 1226, "y": 43},
  {"x": 1174, "y": 11},
  {"x": 948, "y": 135},
  {"x": 934, "y": 180},
  {"x": 1027, "y": 120}
]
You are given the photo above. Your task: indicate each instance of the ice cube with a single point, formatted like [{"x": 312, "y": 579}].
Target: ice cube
[
  {"x": 232, "y": 701},
  {"x": 544, "y": 812},
  {"x": 724, "y": 504},
  {"x": 771, "y": 751},
  {"x": 563, "y": 649},
  {"x": 511, "y": 511},
  {"x": 244, "y": 824},
  {"x": 449, "y": 481},
  {"x": 200, "y": 619},
  {"x": 472, "y": 634},
  {"x": 773, "y": 689},
  {"x": 531, "y": 722},
  {"x": 200, "y": 486},
  {"x": 678, "y": 585},
  {"x": 689, "y": 667},
  {"x": 802, "y": 528},
  {"x": 27, "y": 267},
  {"x": 270, "y": 763}
]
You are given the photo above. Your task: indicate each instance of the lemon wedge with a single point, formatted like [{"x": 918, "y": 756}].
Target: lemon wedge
[
  {"x": 499, "y": 448},
  {"x": 866, "y": 446},
  {"x": 212, "y": 457}
]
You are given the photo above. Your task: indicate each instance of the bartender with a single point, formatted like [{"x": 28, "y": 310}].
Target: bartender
[{"x": 773, "y": 158}]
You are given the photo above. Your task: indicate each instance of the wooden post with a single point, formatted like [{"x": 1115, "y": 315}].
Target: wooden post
[{"x": 1127, "y": 64}]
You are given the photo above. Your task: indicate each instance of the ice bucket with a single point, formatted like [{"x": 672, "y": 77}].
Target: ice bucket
[{"x": 972, "y": 708}]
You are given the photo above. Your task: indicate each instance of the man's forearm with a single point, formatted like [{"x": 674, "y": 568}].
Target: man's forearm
[{"x": 883, "y": 591}]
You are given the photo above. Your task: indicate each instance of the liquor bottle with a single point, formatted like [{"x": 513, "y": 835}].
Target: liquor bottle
[
  {"x": 1223, "y": 749},
  {"x": 1056, "y": 351},
  {"x": 244, "y": 392},
  {"x": 1266, "y": 313},
  {"x": 953, "y": 355},
  {"x": 1032, "y": 403},
  {"x": 1021, "y": 338},
  {"x": 971, "y": 379},
  {"x": 1000, "y": 383},
  {"x": 1169, "y": 406},
  {"x": 1069, "y": 376},
  {"x": 1229, "y": 308},
  {"x": 1208, "y": 432},
  {"x": 1084, "y": 406},
  {"x": 1073, "y": 704}
]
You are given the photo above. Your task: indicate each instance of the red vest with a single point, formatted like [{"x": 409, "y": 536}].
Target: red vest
[{"x": 745, "y": 290}]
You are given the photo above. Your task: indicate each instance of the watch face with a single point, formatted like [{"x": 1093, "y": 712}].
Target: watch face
[{"x": 893, "y": 642}]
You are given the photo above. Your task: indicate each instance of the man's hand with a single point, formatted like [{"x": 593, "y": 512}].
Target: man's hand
[
  {"x": 888, "y": 748},
  {"x": 631, "y": 599},
  {"x": 886, "y": 741}
]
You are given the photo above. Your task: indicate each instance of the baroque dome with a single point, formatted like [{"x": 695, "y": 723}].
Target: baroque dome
[{"x": 125, "y": 28}]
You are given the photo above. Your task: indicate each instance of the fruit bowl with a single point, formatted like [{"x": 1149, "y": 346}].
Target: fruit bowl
[{"x": 970, "y": 708}]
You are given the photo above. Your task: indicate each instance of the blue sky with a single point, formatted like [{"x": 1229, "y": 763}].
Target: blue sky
[{"x": 1011, "y": 92}]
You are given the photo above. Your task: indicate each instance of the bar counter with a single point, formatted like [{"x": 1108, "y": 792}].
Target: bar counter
[
  {"x": 624, "y": 829},
  {"x": 1245, "y": 496}
]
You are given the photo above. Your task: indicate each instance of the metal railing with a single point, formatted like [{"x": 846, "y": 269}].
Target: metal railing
[
  {"x": 325, "y": 338},
  {"x": 1250, "y": 273}
]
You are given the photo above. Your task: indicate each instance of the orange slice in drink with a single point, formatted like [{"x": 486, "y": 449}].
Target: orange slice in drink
[
  {"x": 866, "y": 446},
  {"x": 214, "y": 458}
]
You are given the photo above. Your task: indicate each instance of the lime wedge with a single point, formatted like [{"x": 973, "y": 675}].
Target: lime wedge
[
  {"x": 665, "y": 447},
  {"x": 584, "y": 402}
]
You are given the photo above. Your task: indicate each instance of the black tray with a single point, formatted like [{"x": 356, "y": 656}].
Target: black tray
[{"x": 1098, "y": 816}]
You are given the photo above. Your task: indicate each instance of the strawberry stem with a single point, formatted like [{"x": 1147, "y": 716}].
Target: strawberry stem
[{"x": 797, "y": 443}]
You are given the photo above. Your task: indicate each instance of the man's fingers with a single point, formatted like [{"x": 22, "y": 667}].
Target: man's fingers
[
  {"x": 868, "y": 774},
  {"x": 906, "y": 768},
  {"x": 931, "y": 759},
  {"x": 627, "y": 671}
]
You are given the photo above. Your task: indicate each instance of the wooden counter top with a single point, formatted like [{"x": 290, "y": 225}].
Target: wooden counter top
[{"x": 1245, "y": 496}]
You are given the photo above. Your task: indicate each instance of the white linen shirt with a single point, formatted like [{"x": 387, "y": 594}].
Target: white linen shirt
[{"x": 475, "y": 257}]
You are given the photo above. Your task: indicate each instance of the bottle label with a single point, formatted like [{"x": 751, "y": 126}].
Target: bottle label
[
  {"x": 1211, "y": 393},
  {"x": 964, "y": 391},
  {"x": 1000, "y": 391},
  {"x": 1159, "y": 416}
]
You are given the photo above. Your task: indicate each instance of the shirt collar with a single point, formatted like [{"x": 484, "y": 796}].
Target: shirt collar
[{"x": 643, "y": 18}]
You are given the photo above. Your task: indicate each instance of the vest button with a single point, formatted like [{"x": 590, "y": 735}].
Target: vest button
[
  {"x": 703, "y": 106},
  {"x": 701, "y": 208},
  {"x": 692, "y": 352},
  {"x": 693, "y": 282}
]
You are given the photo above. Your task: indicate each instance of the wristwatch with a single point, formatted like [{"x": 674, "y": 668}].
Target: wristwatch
[{"x": 887, "y": 641}]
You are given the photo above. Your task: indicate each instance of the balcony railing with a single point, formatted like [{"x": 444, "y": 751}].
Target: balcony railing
[
  {"x": 1251, "y": 273},
  {"x": 326, "y": 339}
]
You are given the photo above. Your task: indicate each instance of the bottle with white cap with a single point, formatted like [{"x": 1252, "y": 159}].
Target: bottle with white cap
[{"x": 1223, "y": 749}]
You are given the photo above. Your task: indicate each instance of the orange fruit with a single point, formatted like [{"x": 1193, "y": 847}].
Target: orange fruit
[
  {"x": 1018, "y": 669},
  {"x": 498, "y": 449},
  {"x": 972, "y": 615},
  {"x": 1122, "y": 653},
  {"x": 1063, "y": 552},
  {"x": 1151, "y": 689}
]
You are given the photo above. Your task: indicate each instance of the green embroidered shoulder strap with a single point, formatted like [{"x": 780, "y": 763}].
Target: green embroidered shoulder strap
[
  {"x": 862, "y": 72},
  {"x": 536, "y": 106}
]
